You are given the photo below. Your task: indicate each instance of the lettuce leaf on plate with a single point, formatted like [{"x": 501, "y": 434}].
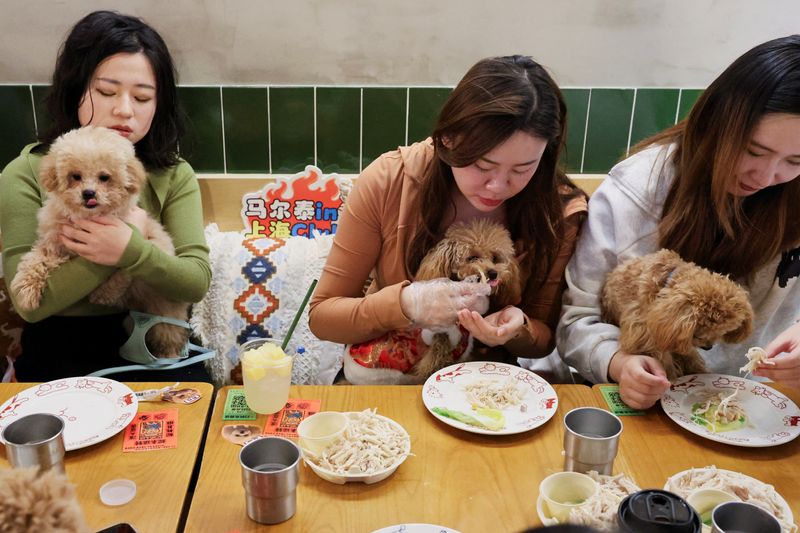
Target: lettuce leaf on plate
[{"x": 491, "y": 419}]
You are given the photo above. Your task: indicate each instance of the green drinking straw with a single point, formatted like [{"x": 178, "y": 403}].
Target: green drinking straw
[{"x": 298, "y": 315}]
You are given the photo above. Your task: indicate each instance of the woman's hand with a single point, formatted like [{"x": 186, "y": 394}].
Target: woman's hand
[
  {"x": 784, "y": 352},
  {"x": 495, "y": 329},
  {"x": 642, "y": 379},
  {"x": 435, "y": 303},
  {"x": 101, "y": 240}
]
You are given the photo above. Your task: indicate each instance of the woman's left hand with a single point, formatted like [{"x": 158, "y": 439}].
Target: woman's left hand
[
  {"x": 784, "y": 351},
  {"x": 101, "y": 240},
  {"x": 495, "y": 329}
]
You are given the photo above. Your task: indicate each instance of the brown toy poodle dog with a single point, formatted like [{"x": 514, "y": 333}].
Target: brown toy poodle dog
[
  {"x": 90, "y": 172},
  {"x": 31, "y": 504},
  {"x": 482, "y": 251},
  {"x": 667, "y": 307}
]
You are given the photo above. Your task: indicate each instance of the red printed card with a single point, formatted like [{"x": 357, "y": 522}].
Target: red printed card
[
  {"x": 284, "y": 422},
  {"x": 152, "y": 430}
]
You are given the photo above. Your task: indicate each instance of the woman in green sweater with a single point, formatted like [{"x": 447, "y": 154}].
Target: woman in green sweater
[{"x": 113, "y": 71}]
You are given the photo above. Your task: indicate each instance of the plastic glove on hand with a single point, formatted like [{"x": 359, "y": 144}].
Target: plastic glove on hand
[{"x": 435, "y": 303}]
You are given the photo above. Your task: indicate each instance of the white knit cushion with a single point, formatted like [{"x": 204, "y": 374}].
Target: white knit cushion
[{"x": 256, "y": 288}]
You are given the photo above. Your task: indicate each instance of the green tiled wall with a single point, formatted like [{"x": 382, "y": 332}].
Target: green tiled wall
[{"x": 342, "y": 129}]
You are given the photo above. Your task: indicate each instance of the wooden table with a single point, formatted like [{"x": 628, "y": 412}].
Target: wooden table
[
  {"x": 162, "y": 476},
  {"x": 462, "y": 480},
  {"x": 653, "y": 448}
]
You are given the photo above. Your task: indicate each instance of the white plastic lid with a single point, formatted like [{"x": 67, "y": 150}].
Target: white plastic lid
[{"x": 117, "y": 492}]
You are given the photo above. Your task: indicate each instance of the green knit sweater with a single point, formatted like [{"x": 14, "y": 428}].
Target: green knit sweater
[{"x": 172, "y": 196}]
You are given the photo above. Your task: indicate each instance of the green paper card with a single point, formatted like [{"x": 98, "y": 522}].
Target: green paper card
[
  {"x": 615, "y": 403},
  {"x": 236, "y": 407}
]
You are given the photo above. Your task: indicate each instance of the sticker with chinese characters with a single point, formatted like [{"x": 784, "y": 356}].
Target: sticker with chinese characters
[
  {"x": 236, "y": 407},
  {"x": 152, "y": 430},
  {"x": 284, "y": 422}
]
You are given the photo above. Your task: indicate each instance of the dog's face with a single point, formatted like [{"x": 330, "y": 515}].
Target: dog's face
[
  {"x": 481, "y": 250},
  {"x": 698, "y": 311},
  {"x": 93, "y": 171}
]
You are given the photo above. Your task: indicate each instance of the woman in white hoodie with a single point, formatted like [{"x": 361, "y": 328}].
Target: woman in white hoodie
[{"x": 718, "y": 188}]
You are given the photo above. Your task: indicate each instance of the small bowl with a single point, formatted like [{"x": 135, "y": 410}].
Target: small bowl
[
  {"x": 564, "y": 491},
  {"x": 704, "y": 501},
  {"x": 320, "y": 430},
  {"x": 374, "y": 477},
  {"x": 544, "y": 514}
]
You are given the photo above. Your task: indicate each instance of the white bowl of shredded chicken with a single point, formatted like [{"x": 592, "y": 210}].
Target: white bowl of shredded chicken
[
  {"x": 600, "y": 510},
  {"x": 746, "y": 488},
  {"x": 370, "y": 450}
]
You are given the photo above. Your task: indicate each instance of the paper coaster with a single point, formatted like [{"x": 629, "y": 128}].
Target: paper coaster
[
  {"x": 284, "y": 422},
  {"x": 236, "y": 407},
  {"x": 615, "y": 403}
]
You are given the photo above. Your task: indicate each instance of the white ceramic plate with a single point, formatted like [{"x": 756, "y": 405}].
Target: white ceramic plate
[
  {"x": 93, "y": 409},
  {"x": 673, "y": 485},
  {"x": 341, "y": 479},
  {"x": 445, "y": 388},
  {"x": 415, "y": 528},
  {"x": 772, "y": 418}
]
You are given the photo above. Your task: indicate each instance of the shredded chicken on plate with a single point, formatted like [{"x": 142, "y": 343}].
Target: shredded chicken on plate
[
  {"x": 493, "y": 394},
  {"x": 600, "y": 511},
  {"x": 726, "y": 409},
  {"x": 369, "y": 444},
  {"x": 746, "y": 488}
]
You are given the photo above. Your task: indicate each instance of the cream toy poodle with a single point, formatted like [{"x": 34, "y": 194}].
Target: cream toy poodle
[
  {"x": 89, "y": 172},
  {"x": 480, "y": 251},
  {"x": 33, "y": 504},
  {"x": 667, "y": 307}
]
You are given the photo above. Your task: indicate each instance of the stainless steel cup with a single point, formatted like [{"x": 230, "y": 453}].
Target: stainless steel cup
[
  {"x": 591, "y": 440},
  {"x": 742, "y": 517},
  {"x": 36, "y": 440},
  {"x": 270, "y": 472}
]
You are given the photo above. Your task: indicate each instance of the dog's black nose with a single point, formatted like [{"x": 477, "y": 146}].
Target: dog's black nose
[
  {"x": 492, "y": 274},
  {"x": 88, "y": 194},
  {"x": 708, "y": 346}
]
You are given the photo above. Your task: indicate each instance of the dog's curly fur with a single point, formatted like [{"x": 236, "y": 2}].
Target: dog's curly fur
[
  {"x": 32, "y": 504},
  {"x": 89, "y": 172},
  {"x": 667, "y": 307},
  {"x": 481, "y": 250}
]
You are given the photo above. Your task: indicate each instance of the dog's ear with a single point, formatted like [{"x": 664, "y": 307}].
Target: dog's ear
[
  {"x": 745, "y": 328},
  {"x": 740, "y": 333},
  {"x": 439, "y": 261},
  {"x": 509, "y": 292},
  {"x": 671, "y": 321},
  {"x": 48, "y": 175},
  {"x": 137, "y": 176}
]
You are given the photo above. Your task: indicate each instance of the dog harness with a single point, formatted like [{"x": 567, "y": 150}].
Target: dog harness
[{"x": 135, "y": 348}]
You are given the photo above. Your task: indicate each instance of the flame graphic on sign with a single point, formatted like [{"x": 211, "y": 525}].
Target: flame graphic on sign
[{"x": 293, "y": 205}]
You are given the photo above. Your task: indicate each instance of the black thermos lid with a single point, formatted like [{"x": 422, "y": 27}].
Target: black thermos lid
[{"x": 657, "y": 511}]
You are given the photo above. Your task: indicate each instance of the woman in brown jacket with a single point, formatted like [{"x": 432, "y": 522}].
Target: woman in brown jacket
[{"x": 493, "y": 154}]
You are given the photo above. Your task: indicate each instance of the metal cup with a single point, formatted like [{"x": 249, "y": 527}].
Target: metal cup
[
  {"x": 742, "y": 517},
  {"x": 270, "y": 472},
  {"x": 591, "y": 440},
  {"x": 36, "y": 440}
]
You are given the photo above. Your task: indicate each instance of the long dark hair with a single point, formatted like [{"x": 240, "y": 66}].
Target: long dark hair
[
  {"x": 738, "y": 235},
  {"x": 497, "y": 97},
  {"x": 95, "y": 37}
]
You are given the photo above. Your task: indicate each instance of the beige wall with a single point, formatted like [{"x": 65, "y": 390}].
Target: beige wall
[{"x": 592, "y": 43}]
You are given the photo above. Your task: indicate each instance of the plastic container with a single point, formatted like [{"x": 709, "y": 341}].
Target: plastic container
[{"x": 657, "y": 511}]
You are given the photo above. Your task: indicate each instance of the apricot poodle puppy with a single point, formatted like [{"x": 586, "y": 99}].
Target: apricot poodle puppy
[
  {"x": 90, "y": 172},
  {"x": 481, "y": 251},
  {"x": 666, "y": 308}
]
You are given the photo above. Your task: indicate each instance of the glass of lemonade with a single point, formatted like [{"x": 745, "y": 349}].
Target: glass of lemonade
[{"x": 267, "y": 374}]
